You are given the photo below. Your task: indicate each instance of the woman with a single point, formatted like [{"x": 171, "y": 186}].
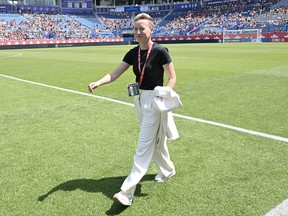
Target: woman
[{"x": 149, "y": 61}]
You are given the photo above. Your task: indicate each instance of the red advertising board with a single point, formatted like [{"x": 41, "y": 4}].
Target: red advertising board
[
  {"x": 272, "y": 37},
  {"x": 49, "y": 41}
]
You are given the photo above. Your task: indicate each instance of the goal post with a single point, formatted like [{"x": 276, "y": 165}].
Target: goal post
[{"x": 243, "y": 35}]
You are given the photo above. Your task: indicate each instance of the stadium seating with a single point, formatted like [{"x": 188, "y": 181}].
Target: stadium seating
[{"x": 207, "y": 20}]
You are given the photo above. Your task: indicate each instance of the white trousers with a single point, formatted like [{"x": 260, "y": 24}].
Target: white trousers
[{"x": 148, "y": 146}]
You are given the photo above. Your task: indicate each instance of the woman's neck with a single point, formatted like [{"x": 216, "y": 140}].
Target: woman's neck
[{"x": 146, "y": 45}]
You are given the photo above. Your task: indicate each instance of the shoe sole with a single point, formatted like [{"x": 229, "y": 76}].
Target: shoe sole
[
  {"x": 118, "y": 201},
  {"x": 167, "y": 178}
]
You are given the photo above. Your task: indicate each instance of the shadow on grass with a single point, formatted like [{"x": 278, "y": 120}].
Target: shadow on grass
[{"x": 108, "y": 186}]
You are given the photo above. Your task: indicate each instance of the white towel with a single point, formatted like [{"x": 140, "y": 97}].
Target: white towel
[{"x": 165, "y": 100}]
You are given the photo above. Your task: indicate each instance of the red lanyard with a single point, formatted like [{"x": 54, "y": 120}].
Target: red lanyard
[{"x": 139, "y": 61}]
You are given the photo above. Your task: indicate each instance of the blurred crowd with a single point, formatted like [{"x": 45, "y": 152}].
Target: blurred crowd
[
  {"x": 43, "y": 26},
  {"x": 210, "y": 20},
  {"x": 213, "y": 19}
]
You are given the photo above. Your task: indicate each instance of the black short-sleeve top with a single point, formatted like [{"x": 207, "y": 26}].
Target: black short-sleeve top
[{"x": 154, "y": 72}]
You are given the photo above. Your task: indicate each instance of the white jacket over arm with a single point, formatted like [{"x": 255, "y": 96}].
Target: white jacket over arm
[{"x": 166, "y": 100}]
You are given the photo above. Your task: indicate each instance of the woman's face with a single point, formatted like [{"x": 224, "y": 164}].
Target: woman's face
[{"x": 142, "y": 30}]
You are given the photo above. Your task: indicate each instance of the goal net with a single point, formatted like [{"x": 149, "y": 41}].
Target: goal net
[{"x": 243, "y": 35}]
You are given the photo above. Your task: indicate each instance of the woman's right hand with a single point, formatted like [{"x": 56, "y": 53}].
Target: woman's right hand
[
  {"x": 109, "y": 77},
  {"x": 92, "y": 86}
]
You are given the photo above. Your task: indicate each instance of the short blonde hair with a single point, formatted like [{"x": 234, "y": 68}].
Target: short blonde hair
[{"x": 144, "y": 16}]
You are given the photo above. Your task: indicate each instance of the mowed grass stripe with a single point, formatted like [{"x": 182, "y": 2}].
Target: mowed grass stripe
[
  {"x": 178, "y": 115},
  {"x": 67, "y": 166},
  {"x": 240, "y": 83},
  {"x": 73, "y": 152}
]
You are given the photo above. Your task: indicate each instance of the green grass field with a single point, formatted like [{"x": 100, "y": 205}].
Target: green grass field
[{"x": 62, "y": 153}]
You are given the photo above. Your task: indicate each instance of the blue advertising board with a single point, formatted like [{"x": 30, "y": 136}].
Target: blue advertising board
[
  {"x": 211, "y": 2},
  {"x": 190, "y": 6},
  {"x": 132, "y": 9}
]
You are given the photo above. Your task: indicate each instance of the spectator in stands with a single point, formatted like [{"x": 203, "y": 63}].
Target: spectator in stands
[
  {"x": 152, "y": 139},
  {"x": 210, "y": 19}
]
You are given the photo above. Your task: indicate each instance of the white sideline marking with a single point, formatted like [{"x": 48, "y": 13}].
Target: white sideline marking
[
  {"x": 233, "y": 128},
  {"x": 67, "y": 90},
  {"x": 280, "y": 210},
  {"x": 283, "y": 139},
  {"x": 10, "y": 55}
]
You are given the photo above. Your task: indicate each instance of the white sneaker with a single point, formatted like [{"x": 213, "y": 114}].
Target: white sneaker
[
  {"x": 122, "y": 198},
  {"x": 161, "y": 178}
]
